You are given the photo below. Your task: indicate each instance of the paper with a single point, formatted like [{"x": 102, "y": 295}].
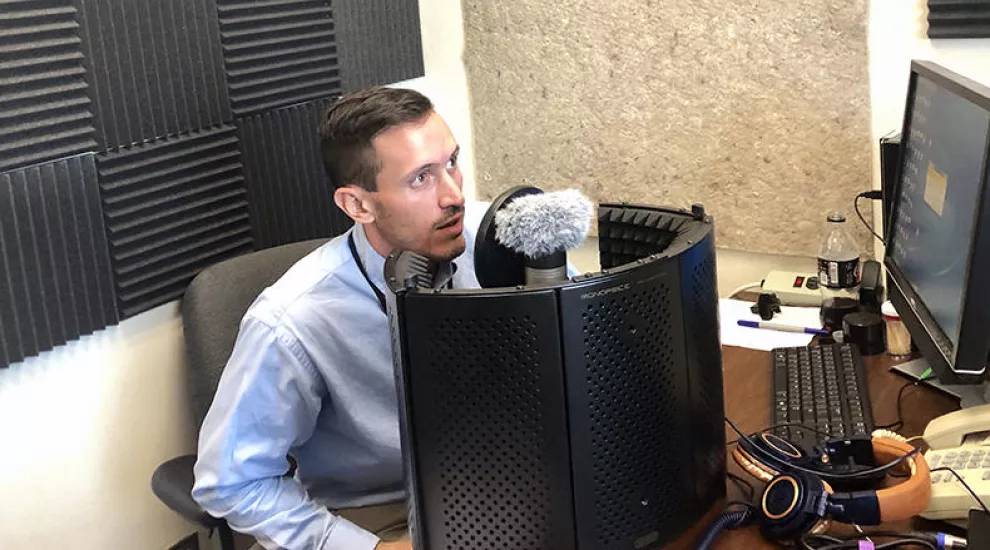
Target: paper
[
  {"x": 935, "y": 185},
  {"x": 731, "y": 311}
]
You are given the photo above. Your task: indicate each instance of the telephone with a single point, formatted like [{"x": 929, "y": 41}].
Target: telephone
[{"x": 960, "y": 440}]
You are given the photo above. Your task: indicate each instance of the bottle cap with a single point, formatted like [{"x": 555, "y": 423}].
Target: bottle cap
[
  {"x": 888, "y": 311},
  {"x": 836, "y": 217}
]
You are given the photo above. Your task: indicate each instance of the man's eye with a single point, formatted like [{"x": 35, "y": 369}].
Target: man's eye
[
  {"x": 452, "y": 163},
  {"x": 421, "y": 179}
]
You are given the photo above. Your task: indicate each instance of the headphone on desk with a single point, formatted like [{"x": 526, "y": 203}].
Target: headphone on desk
[{"x": 798, "y": 499}]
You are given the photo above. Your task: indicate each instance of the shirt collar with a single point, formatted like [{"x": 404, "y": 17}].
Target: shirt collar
[{"x": 374, "y": 263}]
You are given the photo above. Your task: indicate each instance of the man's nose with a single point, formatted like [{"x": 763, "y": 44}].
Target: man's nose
[{"x": 450, "y": 191}]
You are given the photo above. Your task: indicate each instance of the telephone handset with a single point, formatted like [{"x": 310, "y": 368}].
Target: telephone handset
[
  {"x": 961, "y": 441},
  {"x": 949, "y": 430}
]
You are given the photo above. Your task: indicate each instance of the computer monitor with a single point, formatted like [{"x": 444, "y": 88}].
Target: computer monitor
[{"x": 938, "y": 243}]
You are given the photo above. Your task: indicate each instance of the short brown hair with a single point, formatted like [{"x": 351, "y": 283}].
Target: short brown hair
[{"x": 354, "y": 120}]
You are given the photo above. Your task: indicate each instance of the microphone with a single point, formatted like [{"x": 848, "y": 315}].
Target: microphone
[
  {"x": 410, "y": 269},
  {"x": 543, "y": 227}
]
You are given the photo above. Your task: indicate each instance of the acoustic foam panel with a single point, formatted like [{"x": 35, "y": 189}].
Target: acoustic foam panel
[
  {"x": 278, "y": 52},
  {"x": 379, "y": 41},
  {"x": 155, "y": 68},
  {"x": 760, "y": 110},
  {"x": 45, "y": 112},
  {"x": 958, "y": 19},
  {"x": 291, "y": 199},
  {"x": 173, "y": 207},
  {"x": 55, "y": 280}
]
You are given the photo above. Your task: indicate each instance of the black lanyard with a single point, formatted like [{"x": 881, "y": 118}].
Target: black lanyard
[{"x": 360, "y": 264}]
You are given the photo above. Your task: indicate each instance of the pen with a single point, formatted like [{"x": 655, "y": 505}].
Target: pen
[{"x": 785, "y": 328}]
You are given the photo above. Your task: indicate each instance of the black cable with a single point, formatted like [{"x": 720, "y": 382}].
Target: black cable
[
  {"x": 795, "y": 425},
  {"x": 866, "y": 195},
  {"x": 902, "y": 543},
  {"x": 786, "y": 425},
  {"x": 810, "y": 541},
  {"x": 728, "y": 519},
  {"x": 743, "y": 503},
  {"x": 854, "y": 475},
  {"x": 899, "y": 423},
  {"x": 966, "y": 485},
  {"x": 804, "y": 541}
]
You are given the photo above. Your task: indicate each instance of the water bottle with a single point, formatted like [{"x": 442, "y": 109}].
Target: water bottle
[{"x": 838, "y": 261}]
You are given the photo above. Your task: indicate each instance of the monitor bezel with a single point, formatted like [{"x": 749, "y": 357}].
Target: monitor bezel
[{"x": 967, "y": 361}]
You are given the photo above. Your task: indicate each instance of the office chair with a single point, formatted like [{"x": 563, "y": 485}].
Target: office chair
[{"x": 212, "y": 308}]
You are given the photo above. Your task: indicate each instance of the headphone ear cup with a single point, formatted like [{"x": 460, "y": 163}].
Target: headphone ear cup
[{"x": 788, "y": 507}]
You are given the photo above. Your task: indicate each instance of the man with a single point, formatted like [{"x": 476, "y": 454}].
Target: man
[{"x": 311, "y": 374}]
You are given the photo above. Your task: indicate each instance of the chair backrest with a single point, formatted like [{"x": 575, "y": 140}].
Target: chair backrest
[{"x": 213, "y": 306}]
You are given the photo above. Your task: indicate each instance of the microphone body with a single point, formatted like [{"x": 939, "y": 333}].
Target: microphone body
[
  {"x": 547, "y": 269},
  {"x": 542, "y": 227}
]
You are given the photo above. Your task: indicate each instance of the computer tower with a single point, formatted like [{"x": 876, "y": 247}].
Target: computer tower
[{"x": 585, "y": 415}]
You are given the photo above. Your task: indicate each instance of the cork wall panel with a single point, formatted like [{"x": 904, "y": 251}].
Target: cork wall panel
[{"x": 759, "y": 109}]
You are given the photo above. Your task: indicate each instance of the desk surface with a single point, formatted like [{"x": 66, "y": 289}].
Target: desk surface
[{"x": 747, "y": 403}]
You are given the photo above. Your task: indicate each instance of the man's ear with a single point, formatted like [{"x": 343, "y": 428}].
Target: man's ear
[{"x": 355, "y": 202}]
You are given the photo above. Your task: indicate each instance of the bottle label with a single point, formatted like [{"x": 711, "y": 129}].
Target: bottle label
[{"x": 835, "y": 274}]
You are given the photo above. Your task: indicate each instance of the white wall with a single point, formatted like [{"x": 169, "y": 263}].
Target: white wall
[
  {"x": 83, "y": 427},
  {"x": 446, "y": 81},
  {"x": 898, "y": 34}
]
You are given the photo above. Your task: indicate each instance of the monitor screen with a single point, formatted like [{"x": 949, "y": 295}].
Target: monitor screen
[{"x": 932, "y": 230}]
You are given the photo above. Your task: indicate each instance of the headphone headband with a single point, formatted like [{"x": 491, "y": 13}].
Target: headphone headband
[
  {"x": 911, "y": 497},
  {"x": 869, "y": 507}
]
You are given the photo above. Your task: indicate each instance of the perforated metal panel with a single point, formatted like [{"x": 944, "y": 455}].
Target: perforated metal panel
[
  {"x": 494, "y": 462},
  {"x": 627, "y": 396},
  {"x": 486, "y": 406},
  {"x": 705, "y": 372}
]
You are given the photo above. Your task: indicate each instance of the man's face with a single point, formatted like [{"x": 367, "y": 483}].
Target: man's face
[{"x": 419, "y": 205}]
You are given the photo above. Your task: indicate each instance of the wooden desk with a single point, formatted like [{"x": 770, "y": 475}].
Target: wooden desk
[{"x": 747, "y": 403}]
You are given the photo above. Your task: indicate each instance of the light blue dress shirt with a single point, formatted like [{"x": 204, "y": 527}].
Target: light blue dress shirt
[{"x": 311, "y": 375}]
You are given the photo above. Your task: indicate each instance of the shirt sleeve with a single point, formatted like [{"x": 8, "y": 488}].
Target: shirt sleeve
[{"x": 267, "y": 402}]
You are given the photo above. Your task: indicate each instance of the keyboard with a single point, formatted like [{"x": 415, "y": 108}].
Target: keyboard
[{"x": 822, "y": 387}]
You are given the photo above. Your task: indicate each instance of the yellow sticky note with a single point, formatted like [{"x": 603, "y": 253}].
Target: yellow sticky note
[{"x": 935, "y": 184}]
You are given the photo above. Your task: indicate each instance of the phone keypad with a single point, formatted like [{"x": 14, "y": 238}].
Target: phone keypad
[{"x": 949, "y": 498}]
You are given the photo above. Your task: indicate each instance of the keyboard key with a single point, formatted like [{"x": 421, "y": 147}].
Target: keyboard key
[{"x": 822, "y": 387}]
